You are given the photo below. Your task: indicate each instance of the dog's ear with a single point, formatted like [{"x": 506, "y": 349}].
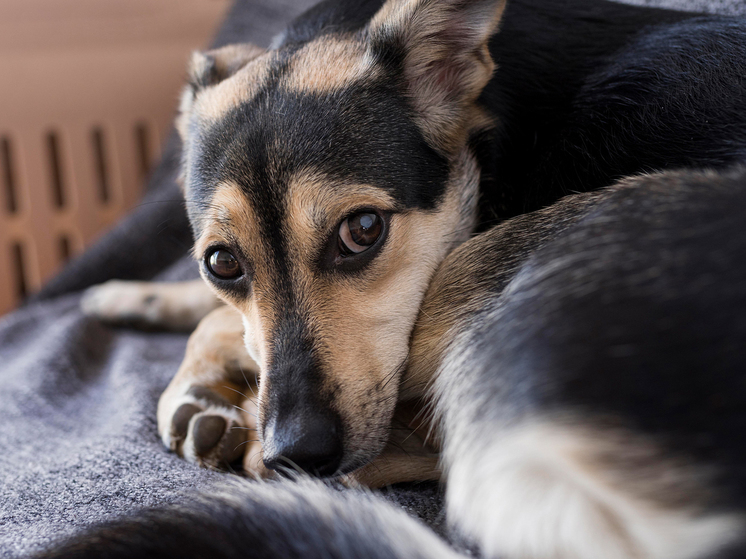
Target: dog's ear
[
  {"x": 442, "y": 48},
  {"x": 212, "y": 67}
]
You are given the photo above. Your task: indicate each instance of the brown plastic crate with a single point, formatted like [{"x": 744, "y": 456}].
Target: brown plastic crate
[{"x": 88, "y": 92}]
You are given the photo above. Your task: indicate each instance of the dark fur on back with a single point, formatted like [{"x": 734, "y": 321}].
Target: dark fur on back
[
  {"x": 636, "y": 310},
  {"x": 588, "y": 92}
]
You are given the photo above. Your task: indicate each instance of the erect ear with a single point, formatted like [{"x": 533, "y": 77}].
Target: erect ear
[
  {"x": 442, "y": 46},
  {"x": 209, "y": 68},
  {"x": 213, "y": 66}
]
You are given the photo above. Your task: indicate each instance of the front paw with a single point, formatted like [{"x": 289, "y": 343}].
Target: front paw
[
  {"x": 124, "y": 302},
  {"x": 174, "y": 305},
  {"x": 204, "y": 427}
]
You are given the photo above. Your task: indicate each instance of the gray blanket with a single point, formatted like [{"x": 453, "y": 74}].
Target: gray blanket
[{"x": 78, "y": 440}]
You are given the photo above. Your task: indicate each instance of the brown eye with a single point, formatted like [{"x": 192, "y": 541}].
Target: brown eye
[
  {"x": 223, "y": 264},
  {"x": 359, "y": 232}
]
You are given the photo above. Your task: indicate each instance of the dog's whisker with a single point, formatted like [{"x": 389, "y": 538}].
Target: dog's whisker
[
  {"x": 397, "y": 445},
  {"x": 236, "y": 391},
  {"x": 398, "y": 369},
  {"x": 243, "y": 374},
  {"x": 245, "y": 411},
  {"x": 293, "y": 465},
  {"x": 245, "y": 442}
]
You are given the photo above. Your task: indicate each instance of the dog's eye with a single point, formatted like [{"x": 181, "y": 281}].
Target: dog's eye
[
  {"x": 223, "y": 264},
  {"x": 359, "y": 232}
]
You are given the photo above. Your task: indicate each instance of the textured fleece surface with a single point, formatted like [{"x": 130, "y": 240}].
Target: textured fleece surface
[{"x": 78, "y": 441}]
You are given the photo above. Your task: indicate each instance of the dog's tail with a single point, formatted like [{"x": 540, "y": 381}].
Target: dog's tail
[{"x": 240, "y": 519}]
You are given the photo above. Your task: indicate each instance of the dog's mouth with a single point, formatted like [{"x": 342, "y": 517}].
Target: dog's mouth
[
  {"x": 325, "y": 440},
  {"x": 319, "y": 445}
]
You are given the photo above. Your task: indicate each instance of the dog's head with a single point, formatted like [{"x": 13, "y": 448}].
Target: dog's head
[{"x": 325, "y": 182}]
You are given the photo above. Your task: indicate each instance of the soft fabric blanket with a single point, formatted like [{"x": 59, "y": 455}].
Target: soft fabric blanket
[{"x": 78, "y": 440}]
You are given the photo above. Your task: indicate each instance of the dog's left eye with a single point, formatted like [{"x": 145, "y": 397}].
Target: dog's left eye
[
  {"x": 223, "y": 264},
  {"x": 359, "y": 232}
]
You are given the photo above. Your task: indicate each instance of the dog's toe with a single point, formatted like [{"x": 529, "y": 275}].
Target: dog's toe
[
  {"x": 216, "y": 440},
  {"x": 180, "y": 423},
  {"x": 207, "y": 430}
]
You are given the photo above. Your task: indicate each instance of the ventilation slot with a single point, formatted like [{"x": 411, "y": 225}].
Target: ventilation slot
[
  {"x": 142, "y": 144},
  {"x": 19, "y": 269},
  {"x": 64, "y": 249},
  {"x": 8, "y": 175},
  {"x": 55, "y": 170},
  {"x": 102, "y": 169}
]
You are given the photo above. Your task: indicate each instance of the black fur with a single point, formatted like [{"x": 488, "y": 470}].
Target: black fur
[
  {"x": 358, "y": 134},
  {"x": 632, "y": 319}
]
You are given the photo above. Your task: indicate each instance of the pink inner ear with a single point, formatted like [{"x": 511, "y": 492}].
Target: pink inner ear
[
  {"x": 459, "y": 39},
  {"x": 457, "y": 34},
  {"x": 448, "y": 74}
]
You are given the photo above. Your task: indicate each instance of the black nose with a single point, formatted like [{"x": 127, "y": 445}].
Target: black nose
[{"x": 312, "y": 443}]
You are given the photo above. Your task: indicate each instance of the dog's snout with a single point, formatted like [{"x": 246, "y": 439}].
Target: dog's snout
[{"x": 312, "y": 443}]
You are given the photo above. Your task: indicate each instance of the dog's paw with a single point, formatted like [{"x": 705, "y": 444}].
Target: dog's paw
[
  {"x": 176, "y": 306},
  {"x": 206, "y": 429},
  {"x": 123, "y": 302}
]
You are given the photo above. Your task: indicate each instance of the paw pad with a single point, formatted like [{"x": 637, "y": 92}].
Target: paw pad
[
  {"x": 180, "y": 422},
  {"x": 206, "y": 430}
]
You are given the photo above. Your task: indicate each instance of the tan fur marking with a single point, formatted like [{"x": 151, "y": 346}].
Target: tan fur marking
[
  {"x": 229, "y": 216},
  {"x": 214, "y": 345},
  {"x": 314, "y": 202},
  {"x": 213, "y": 102},
  {"x": 328, "y": 64},
  {"x": 392, "y": 466},
  {"x": 218, "y": 64},
  {"x": 208, "y": 69},
  {"x": 409, "y": 454}
]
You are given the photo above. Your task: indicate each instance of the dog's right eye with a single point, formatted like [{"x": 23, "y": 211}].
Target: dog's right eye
[{"x": 223, "y": 264}]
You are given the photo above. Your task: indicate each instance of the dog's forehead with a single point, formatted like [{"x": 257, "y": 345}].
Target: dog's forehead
[{"x": 294, "y": 119}]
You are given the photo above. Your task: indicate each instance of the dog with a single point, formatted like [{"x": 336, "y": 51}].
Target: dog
[{"x": 422, "y": 202}]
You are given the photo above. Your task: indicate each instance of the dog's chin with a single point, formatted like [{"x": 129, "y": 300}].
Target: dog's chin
[
  {"x": 353, "y": 464},
  {"x": 361, "y": 453}
]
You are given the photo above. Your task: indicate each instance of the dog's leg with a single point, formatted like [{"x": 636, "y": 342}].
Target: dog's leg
[
  {"x": 173, "y": 305},
  {"x": 208, "y": 412}
]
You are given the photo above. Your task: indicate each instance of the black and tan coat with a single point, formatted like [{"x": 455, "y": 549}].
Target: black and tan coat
[{"x": 335, "y": 184}]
